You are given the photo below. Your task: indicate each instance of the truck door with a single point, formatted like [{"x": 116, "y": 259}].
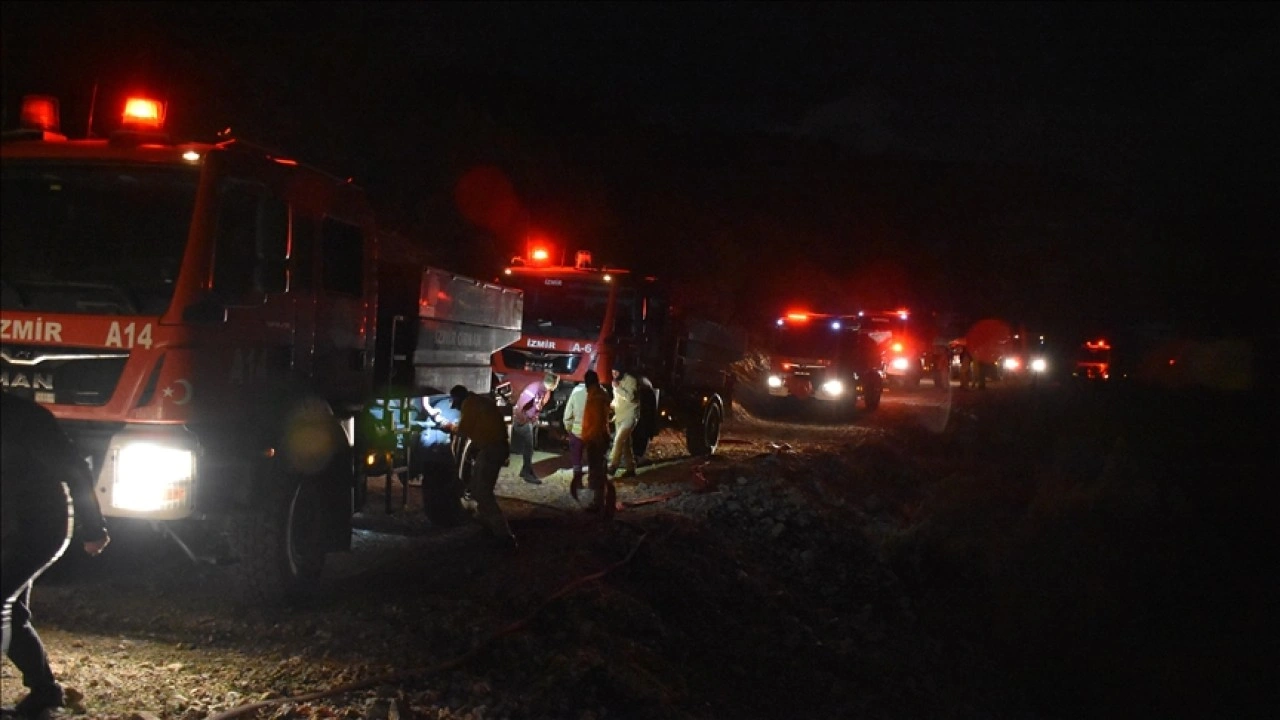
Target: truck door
[
  {"x": 250, "y": 282},
  {"x": 339, "y": 352}
]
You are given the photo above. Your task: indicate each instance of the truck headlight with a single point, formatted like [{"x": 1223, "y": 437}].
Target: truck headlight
[
  {"x": 1039, "y": 365},
  {"x": 833, "y": 387},
  {"x": 152, "y": 478},
  {"x": 774, "y": 381},
  {"x": 1011, "y": 363},
  {"x": 900, "y": 363}
]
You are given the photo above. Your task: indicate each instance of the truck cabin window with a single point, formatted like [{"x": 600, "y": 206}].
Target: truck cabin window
[
  {"x": 252, "y": 240},
  {"x": 342, "y": 251},
  {"x": 93, "y": 238},
  {"x": 572, "y": 309}
]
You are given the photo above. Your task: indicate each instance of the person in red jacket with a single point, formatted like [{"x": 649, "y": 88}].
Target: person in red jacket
[
  {"x": 595, "y": 440},
  {"x": 47, "y": 492}
]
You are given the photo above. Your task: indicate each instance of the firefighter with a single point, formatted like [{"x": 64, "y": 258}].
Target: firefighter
[
  {"x": 595, "y": 440},
  {"x": 481, "y": 425},
  {"x": 573, "y": 408},
  {"x": 524, "y": 418},
  {"x": 626, "y": 413},
  {"x": 48, "y": 499}
]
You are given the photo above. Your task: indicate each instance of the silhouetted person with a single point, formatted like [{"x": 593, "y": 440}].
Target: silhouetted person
[
  {"x": 595, "y": 440},
  {"x": 482, "y": 426},
  {"x": 47, "y": 499}
]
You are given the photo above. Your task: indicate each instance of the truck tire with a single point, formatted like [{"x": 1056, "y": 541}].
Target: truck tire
[
  {"x": 442, "y": 495},
  {"x": 703, "y": 435},
  {"x": 871, "y": 390},
  {"x": 278, "y": 543},
  {"x": 940, "y": 378},
  {"x": 647, "y": 424}
]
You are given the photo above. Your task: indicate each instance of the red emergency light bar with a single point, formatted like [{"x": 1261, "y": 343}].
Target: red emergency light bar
[
  {"x": 1099, "y": 345},
  {"x": 799, "y": 317},
  {"x": 143, "y": 113},
  {"x": 40, "y": 112},
  {"x": 540, "y": 255}
]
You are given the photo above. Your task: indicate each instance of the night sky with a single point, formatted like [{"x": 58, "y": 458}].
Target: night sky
[{"x": 1070, "y": 166}]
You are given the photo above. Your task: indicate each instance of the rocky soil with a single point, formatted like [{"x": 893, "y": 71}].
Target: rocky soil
[{"x": 1016, "y": 554}]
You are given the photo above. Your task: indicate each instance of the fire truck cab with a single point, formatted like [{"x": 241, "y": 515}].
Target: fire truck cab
[
  {"x": 200, "y": 318},
  {"x": 908, "y": 348},
  {"x": 824, "y": 358},
  {"x": 584, "y": 317}
]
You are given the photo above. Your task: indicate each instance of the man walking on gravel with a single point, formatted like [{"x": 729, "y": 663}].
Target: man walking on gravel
[
  {"x": 47, "y": 493},
  {"x": 482, "y": 426}
]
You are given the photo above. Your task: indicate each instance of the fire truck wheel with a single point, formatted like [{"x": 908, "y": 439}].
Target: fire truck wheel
[
  {"x": 871, "y": 394},
  {"x": 442, "y": 495},
  {"x": 702, "y": 437},
  {"x": 278, "y": 542},
  {"x": 360, "y": 493}
]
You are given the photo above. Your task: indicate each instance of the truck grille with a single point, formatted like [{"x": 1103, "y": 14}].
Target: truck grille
[
  {"x": 67, "y": 376},
  {"x": 526, "y": 359}
]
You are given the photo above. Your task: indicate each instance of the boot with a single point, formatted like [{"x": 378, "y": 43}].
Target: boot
[
  {"x": 41, "y": 699},
  {"x": 609, "y": 506}
]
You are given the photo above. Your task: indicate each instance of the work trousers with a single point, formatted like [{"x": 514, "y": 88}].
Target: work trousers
[
  {"x": 623, "y": 456},
  {"x": 28, "y": 550},
  {"x": 484, "y": 478},
  {"x": 603, "y": 492},
  {"x": 576, "y": 453},
  {"x": 522, "y": 442}
]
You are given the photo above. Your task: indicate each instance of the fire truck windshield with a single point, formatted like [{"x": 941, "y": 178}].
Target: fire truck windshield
[
  {"x": 813, "y": 340},
  {"x": 567, "y": 308},
  {"x": 93, "y": 238}
]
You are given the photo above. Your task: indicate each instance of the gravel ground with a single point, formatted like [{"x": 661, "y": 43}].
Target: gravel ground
[{"x": 807, "y": 570}]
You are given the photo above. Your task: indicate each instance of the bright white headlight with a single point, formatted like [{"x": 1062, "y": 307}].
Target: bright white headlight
[
  {"x": 152, "y": 477},
  {"x": 1039, "y": 365},
  {"x": 1011, "y": 363},
  {"x": 833, "y": 387},
  {"x": 774, "y": 381},
  {"x": 900, "y": 363}
]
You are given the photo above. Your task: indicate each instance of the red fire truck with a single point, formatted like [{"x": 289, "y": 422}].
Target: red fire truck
[
  {"x": 202, "y": 318},
  {"x": 583, "y": 317},
  {"x": 824, "y": 358},
  {"x": 908, "y": 346},
  {"x": 1093, "y": 360}
]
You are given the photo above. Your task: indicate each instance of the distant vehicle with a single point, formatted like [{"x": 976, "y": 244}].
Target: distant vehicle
[
  {"x": 910, "y": 350},
  {"x": 209, "y": 322},
  {"x": 1093, "y": 360},
  {"x": 584, "y": 317},
  {"x": 824, "y": 359},
  {"x": 1024, "y": 358}
]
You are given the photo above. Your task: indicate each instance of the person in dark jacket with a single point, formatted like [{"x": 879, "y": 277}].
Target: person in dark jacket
[
  {"x": 483, "y": 426},
  {"x": 47, "y": 499}
]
